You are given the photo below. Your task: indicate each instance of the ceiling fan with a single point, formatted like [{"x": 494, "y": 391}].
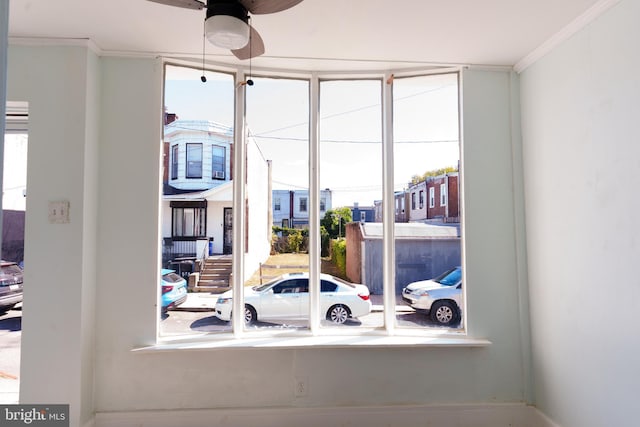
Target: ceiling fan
[{"x": 227, "y": 22}]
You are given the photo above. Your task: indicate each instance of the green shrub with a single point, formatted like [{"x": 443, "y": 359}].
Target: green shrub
[
  {"x": 295, "y": 241},
  {"x": 339, "y": 255}
]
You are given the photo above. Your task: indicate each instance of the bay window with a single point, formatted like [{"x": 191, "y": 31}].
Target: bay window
[{"x": 366, "y": 140}]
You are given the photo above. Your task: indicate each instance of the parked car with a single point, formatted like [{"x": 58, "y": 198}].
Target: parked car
[
  {"x": 11, "y": 278},
  {"x": 174, "y": 289},
  {"x": 287, "y": 297},
  {"x": 440, "y": 298}
]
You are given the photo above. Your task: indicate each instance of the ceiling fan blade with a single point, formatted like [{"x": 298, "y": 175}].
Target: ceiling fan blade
[
  {"x": 262, "y": 7},
  {"x": 254, "y": 48},
  {"x": 187, "y": 4}
]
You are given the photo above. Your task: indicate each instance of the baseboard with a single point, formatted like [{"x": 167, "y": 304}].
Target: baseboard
[
  {"x": 480, "y": 415},
  {"x": 543, "y": 420}
]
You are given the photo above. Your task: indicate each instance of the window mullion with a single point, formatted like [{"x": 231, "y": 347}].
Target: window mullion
[
  {"x": 388, "y": 214},
  {"x": 239, "y": 204},
  {"x": 314, "y": 206}
]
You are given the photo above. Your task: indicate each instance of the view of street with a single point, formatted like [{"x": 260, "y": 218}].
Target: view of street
[
  {"x": 10, "y": 336},
  {"x": 198, "y": 318}
]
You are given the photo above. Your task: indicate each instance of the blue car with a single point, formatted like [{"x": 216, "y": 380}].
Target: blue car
[{"x": 174, "y": 289}]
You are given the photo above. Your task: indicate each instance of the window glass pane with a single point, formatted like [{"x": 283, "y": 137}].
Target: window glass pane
[
  {"x": 174, "y": 162},
  {"x": 218, "y": 160},
  {"x": 426, "y": 156},
  {"x": 351, "y": 168},
  {"x": 194, "y": 160},
  {"x": 278, "y": 125},
  {"x": 197, "y": 116}
]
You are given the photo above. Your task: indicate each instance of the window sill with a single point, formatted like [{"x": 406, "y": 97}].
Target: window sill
[{"x": 301, "y": 340}]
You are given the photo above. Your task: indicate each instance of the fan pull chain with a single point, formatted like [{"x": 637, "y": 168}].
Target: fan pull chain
[
  {"x": 249, "y": 81},
  {"x": 203, "y": 79}
]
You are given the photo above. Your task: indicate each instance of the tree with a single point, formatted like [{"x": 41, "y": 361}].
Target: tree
[
  {"x": 415, "y": 179},
  {"x": 334, "y": 221}
]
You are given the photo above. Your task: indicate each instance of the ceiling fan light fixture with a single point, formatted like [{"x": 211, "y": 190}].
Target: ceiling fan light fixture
[{"x": 227, "y": 31}]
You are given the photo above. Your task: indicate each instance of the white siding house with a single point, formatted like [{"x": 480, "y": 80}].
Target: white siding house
[
  {"x": 199, "y": 154},
  {"x": 190, "y": 219},
  {"x": 291, "y": 207}
]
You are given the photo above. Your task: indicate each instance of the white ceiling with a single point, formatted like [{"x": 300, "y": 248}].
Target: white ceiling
[{"x": 320, "y": 34}]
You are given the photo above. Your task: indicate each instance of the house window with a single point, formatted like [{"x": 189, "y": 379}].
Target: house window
[
  {"x": 443, "y": 195},
  {"x": 189, "y": 221},
  {"x": 174, "y": 162},
  {"x": 340, "y": 126},
  {"x": 194, "y": 161},
  {"x": 437, "y": 250},
  {"x": 218, "y": 161}
]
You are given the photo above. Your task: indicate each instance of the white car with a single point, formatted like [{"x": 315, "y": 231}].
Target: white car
[
  {"x": 287, "y": 297},
  {"x": 440, "y": 298}
]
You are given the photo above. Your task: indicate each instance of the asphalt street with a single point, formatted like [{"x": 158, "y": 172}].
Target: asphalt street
[{"x": 10, "y": 337}]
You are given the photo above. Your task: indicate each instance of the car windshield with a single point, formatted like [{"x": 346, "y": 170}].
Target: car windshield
[
  {"x": 450, "y": 278},
  {"x": 267, "y": 285},
  {"x": 11, "y": 269},
  {"x": 172, "y": 278}
]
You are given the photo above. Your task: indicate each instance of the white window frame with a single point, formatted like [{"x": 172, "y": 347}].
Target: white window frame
[
  {"x": 432, "y": 197},
  {"x": 405, "y": 336},
  {"x": 443, "y": 194}
]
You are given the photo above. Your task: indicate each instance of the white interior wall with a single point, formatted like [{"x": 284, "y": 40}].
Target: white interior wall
[
  {"x": 580, "y": 115},
  {"x": 128, "y": 255},
  {"x": 61, "y": 85}
]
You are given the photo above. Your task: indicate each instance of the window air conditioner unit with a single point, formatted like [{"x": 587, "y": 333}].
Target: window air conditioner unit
[{"x": 218, "y": 174}]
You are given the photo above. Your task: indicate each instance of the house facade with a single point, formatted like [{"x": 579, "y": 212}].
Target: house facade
[
  {"x": 363, "y": 213},
  {"x": 197, "y": 204},
  {"x": 436, "y": 198},
  {"x": 291, "y": 207},
  {"x": 198, "y": 155}
]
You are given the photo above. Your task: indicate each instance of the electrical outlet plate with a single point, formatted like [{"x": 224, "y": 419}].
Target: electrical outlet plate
[
  {"x": 301, "y": 386},
  {"x": 59, "y": 212}
]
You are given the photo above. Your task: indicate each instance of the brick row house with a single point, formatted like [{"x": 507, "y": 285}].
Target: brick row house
[{"x": 435, "y": 198}]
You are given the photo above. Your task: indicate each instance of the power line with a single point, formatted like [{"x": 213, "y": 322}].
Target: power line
[
  {"x": 347, "y": 141},
  {"x": 354, "y": 110}
]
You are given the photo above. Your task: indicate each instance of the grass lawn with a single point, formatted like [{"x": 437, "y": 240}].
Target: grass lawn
[{"x": 289, "y": 263}]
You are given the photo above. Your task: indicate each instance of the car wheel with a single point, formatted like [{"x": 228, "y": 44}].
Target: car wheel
[
  {"x": 338, "y": 314},
  {"x": 445, "y": 313},
  {"x": 250, "y": 315}
]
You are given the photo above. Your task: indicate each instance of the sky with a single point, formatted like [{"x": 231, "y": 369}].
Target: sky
[
  {"x": 425, "y": 120},
  {"x": 14, "y": 182}
]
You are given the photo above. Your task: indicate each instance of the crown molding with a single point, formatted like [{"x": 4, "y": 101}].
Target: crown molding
[
  {"x": 574, "y": 26},
  {"x": 53, "y": 41}
]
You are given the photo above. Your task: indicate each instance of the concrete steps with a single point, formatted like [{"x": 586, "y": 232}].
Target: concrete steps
[{"x": 214, "y": 275}]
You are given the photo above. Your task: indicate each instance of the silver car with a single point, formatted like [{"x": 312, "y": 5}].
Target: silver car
[
  {"x": 440, "y": 298},
  {"x": 10, "y": 285}
]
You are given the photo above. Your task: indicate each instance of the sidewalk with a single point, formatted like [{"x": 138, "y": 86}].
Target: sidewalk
[
  {"x": 9, "y": 390},
  {"x": 206, "y": 301}
]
